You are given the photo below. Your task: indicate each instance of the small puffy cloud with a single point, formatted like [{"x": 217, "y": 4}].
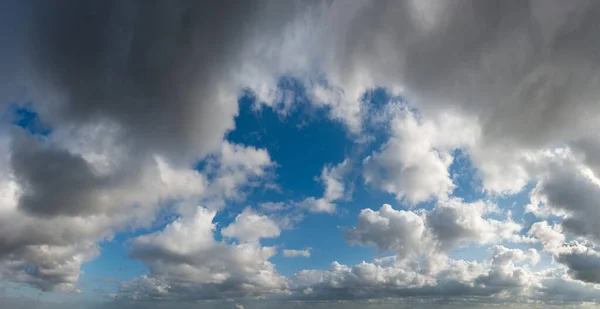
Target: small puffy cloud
[
  {"x": 387, "y": 229},
  {"x": 291, "y": 253},
  {"x": 250, "y": 226},
  {"x": 333, "y": 177}
]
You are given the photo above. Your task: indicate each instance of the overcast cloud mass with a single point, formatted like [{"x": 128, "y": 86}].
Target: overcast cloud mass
[{"x": 296, "y": 154}]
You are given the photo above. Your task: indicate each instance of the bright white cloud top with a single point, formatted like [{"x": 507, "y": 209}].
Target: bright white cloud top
[{"x": 170, "y": 154}]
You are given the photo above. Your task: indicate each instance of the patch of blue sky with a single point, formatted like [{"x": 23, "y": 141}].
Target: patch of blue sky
[
  {"x": 24, "y": 116},
  {"x": 464, "y": 176},
  {"x": 301, "y": 143},
  {"x": 112, "y": 266}
]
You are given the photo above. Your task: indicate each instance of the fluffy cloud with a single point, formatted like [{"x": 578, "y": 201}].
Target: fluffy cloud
[
  {"x": 571, "y": 191},
  {"x": 49, "y": 233},
  {"x": 387, "y": 229},
  {"x": 232, "y": 169},
  {"x": 581, "y": 259},
  {"x": 414, "y": 163},
  {"x": 449, "y": 224},
  {"x": 455, "y": 223},
  {"x": 250, "y": 227},
  {"x": 186, "y": 262},
  {"x": 335, "y": 188},
  {"x": 506, "y": 273}
]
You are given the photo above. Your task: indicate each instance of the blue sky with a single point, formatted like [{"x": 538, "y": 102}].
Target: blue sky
[{"x": 295, "y": 154}]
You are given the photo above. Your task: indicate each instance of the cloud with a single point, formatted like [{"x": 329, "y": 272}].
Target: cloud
[
  {"x": 400, "y": 231},
  {"x": 569, "y": 190},
  {"x": 581, "y": 259},
  {"x": 448, "y": 225},
  {"x": 164, "y": 98},
  {"x": 333, "y": 177},
  {"x": 186, "y": 262},
  {"x": 41, "y": 218},
  {"x": 506, "y": 273},
  {"x": 521, "y": 72},
  {"x": 455, "y": 223},
  {"x": 291, "y": 253},
  {"x": 413, "y": 164},
  {"x": 251, "y": 227},
  {"x": 132, "y": 100}
]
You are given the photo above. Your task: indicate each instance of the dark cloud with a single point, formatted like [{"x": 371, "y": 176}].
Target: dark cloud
[
  {"x": 55, "y": 181},
  {"x": 155, "y": 68}
]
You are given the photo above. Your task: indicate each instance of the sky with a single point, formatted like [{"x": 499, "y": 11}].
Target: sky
[{"x": 299, "y": 154}]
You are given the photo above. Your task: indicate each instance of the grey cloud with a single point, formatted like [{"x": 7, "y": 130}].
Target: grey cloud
[
  {"x": 566, "y": 189},
  {"x": 583, "y": 262},
  {"x": 55, "y": 181},
  {"x": 521, "y": 71},
  {"x": 154, "y": 68}
]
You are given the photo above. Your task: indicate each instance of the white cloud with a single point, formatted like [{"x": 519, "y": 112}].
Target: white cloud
[
  {"x": 400, "y": 231},
  {"x": 235, "y": 167},
  {"x": 185, "y": 259},
  {"x": 333, "y": 177},
  {"x": 456, "y": 223},
  {"x": 250, "y": 226},
  {"x": 505, "y": 273},
  {"x": 414, "y": 162},
  {"x": 291, "y": 253},
  {"x": 449, "y": 224}
]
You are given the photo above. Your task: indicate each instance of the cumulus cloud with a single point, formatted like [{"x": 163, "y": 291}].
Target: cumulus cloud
[
  {"x": 413, "y": 164},
  {"x": 455, "y": 223},
  {"x": 186, "y": 262},
  {"x": 449, "y": 224},
  {"x": 400, "y": 231},
  {"x": 506, "y": 273},
  {"x": 250, "y": 227},
  {"x": 582, "y": 260},
  {"x": 571, "y": 191}
]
